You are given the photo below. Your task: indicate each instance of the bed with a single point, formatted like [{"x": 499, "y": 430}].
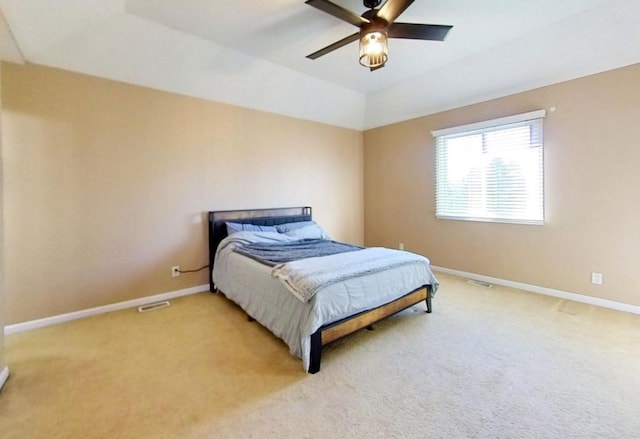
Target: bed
[{"x": 333, "y": 312}]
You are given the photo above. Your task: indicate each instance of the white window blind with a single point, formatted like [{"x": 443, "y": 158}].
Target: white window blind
[{"x": 492, "y": 170}]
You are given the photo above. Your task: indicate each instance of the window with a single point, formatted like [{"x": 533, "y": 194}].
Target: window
[{"x": 492, "y": 171}]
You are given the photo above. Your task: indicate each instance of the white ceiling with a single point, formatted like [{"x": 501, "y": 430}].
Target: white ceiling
[{"x": 252, "y": 52}]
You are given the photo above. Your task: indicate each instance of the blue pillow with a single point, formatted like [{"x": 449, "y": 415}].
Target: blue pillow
[
  {"x": 312, "y": 231},
  {"x": 241, "y": 227},
  {"x": 287, "y": 227}
]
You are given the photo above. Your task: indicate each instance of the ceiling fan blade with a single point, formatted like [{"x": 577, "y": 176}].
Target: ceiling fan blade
[
  {"x": 433, "y": 32},
  {"x": 392, "y": 9},
  {"x": 338, "y": 12},
  {"x": 334, "y": 46}
]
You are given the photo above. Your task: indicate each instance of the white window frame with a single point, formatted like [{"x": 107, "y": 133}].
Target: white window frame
[{"x": 535, "y": 215}]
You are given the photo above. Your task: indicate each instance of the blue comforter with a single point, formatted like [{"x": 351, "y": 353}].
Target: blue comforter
[{"x": 306, "y": 266}]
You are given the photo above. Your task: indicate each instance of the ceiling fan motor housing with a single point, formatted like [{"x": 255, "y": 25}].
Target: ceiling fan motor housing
[{"x": 371, "y": 4}]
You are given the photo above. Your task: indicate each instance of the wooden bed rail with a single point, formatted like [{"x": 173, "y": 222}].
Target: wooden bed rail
[{"x": 337, "y": 330}]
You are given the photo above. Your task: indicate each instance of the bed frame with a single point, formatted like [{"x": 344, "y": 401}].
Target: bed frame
[{"x": 328, "y": 333}]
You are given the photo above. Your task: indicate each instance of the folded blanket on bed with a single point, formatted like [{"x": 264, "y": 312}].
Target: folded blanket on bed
[
  {"x": 306, "y": 276},
  {"x": 281, "y": 252}
]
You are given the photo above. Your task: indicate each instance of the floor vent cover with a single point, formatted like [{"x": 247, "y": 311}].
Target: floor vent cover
[
  {"x": 480, "y": 283},
  {"x": 152, "y": 306}
]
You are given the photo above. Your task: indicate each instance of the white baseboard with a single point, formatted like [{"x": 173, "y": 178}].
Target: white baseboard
[
  {"x": 4, "y": 376},
  {"x": 53, "y": 320},
  {"x": 604, "y": 303}
]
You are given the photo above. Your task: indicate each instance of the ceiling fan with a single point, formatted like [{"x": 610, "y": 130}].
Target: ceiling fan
[{"x": 376, "y": 26}]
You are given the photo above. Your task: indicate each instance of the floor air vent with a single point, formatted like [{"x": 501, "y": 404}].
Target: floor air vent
[
  {"x": 480, "y": 283},
  {"x": 152, "y": 306}
]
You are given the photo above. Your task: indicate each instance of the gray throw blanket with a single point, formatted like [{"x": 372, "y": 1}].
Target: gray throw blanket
[{"x": 278, "y": 253}]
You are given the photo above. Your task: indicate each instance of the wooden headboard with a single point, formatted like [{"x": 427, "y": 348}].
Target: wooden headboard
[{"x": 262, "y": 217}]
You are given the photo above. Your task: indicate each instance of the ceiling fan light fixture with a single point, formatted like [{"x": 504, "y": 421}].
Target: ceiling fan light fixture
[{"x": 374, "y": 48}]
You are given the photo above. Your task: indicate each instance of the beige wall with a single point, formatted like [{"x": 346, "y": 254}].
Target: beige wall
[
  {"x": 592, "y": 189},
  {"x": 106, "y": 185}
]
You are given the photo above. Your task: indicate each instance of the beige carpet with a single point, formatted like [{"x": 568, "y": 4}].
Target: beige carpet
[{"x": 488, "y": 363}]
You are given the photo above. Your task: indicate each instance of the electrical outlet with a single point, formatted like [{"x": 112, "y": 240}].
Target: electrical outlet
[
  {"x": 596, "y": 278},
  {"x": 401, "y": 246},
  {"x": 175, "y": 271}
]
